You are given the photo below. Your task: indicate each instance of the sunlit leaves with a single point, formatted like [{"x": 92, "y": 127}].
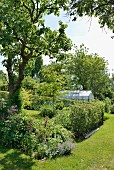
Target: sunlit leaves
[{"x": 103, "y": 9}]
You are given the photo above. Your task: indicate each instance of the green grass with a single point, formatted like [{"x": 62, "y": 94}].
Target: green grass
[{"x": 95, "y": 153}]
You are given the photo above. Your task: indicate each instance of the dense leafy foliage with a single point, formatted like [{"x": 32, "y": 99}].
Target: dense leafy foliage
[
  {"x": 3, "y": 81},
  {"x": 103, "y": 9},
  {"x": 36, "y": 138},
  {"x": 47, "y": 110},
  {"x": 88, "y": 72},
  {"x": 86, "y": 117},
  {"x": 23, "y": 36}
]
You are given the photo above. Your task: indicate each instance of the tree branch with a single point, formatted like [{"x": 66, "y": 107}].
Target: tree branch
[{"x": 102, "y": 5}]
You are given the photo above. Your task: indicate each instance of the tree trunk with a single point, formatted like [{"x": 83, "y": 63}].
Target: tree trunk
[{"x": 15, "y": 85}]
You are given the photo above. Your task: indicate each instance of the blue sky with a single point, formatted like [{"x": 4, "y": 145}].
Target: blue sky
[{"x": 88, "y": 32}]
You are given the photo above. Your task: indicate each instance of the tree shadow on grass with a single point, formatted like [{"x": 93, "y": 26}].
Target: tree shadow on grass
[{"x": 14, "y": 160}]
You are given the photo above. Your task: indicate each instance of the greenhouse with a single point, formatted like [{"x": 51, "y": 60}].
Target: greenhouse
[{"x": 78, "y": 95}]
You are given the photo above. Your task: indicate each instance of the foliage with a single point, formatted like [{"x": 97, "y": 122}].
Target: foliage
[
  {"x": 16, "y": 100},
  {"x": 100, "y": 8},
  {"x": 37, "y": 67},
  {"x": 57, "y": 143},
  {"x": 87, "y": 154},
  {"x": 63, "y": 118},
  {"x": 112, "y": 108},
  {"x": 107, "y": 105},
  {"x": 3, "y": 81},
  {"x": 37, "y": 101},
  {"x": 31, "y": 84},
  {"x": 59, "y": 105},
  {"x": 67, "y": 102},
  {"x": 26, "y": 98},
  {"x": 86, "y": 117},
  {"x": 36, "y": 138},
  {"x": 88, "y": 71},
  {"x": 47, "y": 110},
  {"x": 24, "y": 36},
  {"x": 52, "y": 82},
  {"x": 4, "y": 95}
]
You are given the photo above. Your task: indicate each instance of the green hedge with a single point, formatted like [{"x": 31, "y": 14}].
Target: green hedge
[{"x": 86, "y": 117}]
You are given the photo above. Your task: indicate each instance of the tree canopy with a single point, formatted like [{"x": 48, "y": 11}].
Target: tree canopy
[
  {"x": 23, "y": 35},
  {"x": 103, "y": 9},
  {"x": 88, "y": 71}
]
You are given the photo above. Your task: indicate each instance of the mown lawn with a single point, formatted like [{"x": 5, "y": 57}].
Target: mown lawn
[{"x": 95, "y": 153}]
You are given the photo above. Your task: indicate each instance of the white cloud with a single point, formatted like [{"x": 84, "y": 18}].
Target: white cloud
[{"x": 93, "y": 37}]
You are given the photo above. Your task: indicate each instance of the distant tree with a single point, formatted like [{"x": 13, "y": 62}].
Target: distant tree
[
  {"x": 53, "y": 81},
  {"x": 88, "y": 71},
  {"x": 23, "y": 36},
  {"x": 103, "y": 9}
]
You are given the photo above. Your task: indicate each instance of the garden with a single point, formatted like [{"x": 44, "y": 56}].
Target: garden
[{"x": 39, "y": 127}]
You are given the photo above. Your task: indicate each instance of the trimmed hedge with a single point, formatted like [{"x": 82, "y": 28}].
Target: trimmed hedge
[{"x": 86, "y": 117}]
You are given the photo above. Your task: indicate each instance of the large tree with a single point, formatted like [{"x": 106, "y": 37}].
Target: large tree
[
  {"x": 88, "y": 71},
  {"x": 103, "y": 9},
  {"x": 23, "y": 35}
]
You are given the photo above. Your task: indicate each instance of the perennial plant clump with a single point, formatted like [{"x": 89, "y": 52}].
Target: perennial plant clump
[{"x": 36, "y": 138}]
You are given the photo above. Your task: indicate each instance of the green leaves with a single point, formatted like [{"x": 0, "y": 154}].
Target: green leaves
[
  {"x": 23, "y": 35},
  {"x": 88, "y": 71},
  {"x": 103, "y": 9}
]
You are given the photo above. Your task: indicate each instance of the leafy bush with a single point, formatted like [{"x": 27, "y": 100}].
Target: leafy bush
[
  {"x": 38, "y": 101},
  {"x": 26, "y": 98},
  {"x": 47, "y": 110},
  {"x": 12, "y": 131},
  {"x": 35, "y": 138},
  {"x": 16, "y": 100},
  {"x": 86, "y": 117},
  {"x": 59, "y": 105},
  {"x": 107, "y": 105},
  {"x": 63, "y": 118},
  {"x": 57, "y": 143},
  {"x": 68, "y": 102},
  {"x": 4, "y": 95},
  {"x": 112, "y": 108}
]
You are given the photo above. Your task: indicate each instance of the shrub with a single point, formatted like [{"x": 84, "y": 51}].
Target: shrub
[
  {"x": 107, "y": 105},
  {"x": 16, "y": 100},
  {"x": 47, "y": 110},
  {"x": 59, "y": 105},
  {"x": 67, "y": 102},
  {"x": 13, "y": 130},
  {"x": 58, "y": 142},
  {"x": 86, "y": 117},
  {"x": 63, "y": 118},
  {"x": 35, "y": 138},
  {"x": 112, "y": 108},
  {"x": 4, "y": 95},
  {"x": 26, "y": 98},
  {"x": 38, "y": 101}
]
